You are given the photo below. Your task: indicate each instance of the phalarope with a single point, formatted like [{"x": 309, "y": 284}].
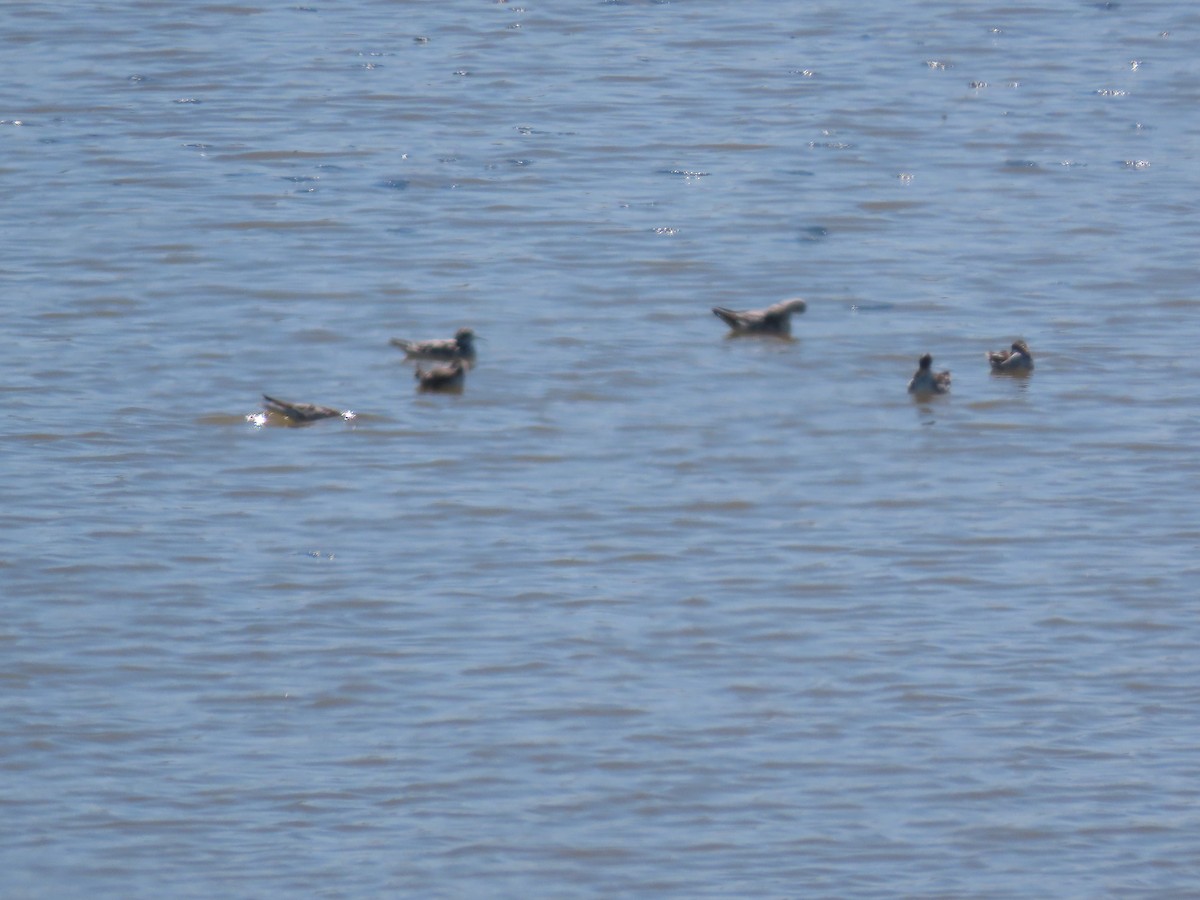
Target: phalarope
[
  {"x": 297, "y": 413},
  {"x": 461, "y": 346},
  {"x": 447, "y": 379},
  {"x": 775, "y": 319},
  {"x": 927, "y": 381},
  {"x": 1018, "y": 359}
]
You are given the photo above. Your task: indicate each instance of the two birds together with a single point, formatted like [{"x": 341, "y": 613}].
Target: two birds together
[
  {"x": 777, "y": 320},
  {"x": 1015, "y": 361},
  {"x": 458, "y": 352}
]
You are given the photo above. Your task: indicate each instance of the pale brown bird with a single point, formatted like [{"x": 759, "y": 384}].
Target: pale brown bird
[
  {"x": 775, "y": 319},
  {"x": 1018, "y": 359}
]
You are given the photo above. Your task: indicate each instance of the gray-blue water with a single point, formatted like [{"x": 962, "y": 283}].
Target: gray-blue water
[{"x": 645, "y": 611}]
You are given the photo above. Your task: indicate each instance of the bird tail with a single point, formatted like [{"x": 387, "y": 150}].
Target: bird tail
[{"x": 728, "y": 316}]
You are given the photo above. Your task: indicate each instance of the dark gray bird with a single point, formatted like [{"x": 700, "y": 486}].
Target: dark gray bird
[
  {"x": 448, "y": 379},
  {"x": 925, "y": 381},
  {"x": 775, "y": 319},
  {"x": 296, "y": 413}
]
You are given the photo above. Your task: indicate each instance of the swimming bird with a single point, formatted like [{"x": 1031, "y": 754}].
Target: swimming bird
[
  {"x": 297, "y": 413},
  {"x": 775, "y": 319},
  {"x": 448, "y": 379},
  {"x": 927, "y": 381},
  {"x": 461, "y": 346},
  {"x": 1018, "y": 359}
]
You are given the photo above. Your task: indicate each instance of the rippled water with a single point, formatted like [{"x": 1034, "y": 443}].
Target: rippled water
[{"x": 646, "y": 611}]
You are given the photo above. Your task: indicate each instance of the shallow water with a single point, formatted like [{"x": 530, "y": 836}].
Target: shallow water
[{"x": 646, "y": 611}]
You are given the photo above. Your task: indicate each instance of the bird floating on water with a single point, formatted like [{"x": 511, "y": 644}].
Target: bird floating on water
[
  {"x": 461, "y": 346},
  {"x": 926, "y": 381},
  {"x": 302, "y": 413},
  {"x": 447, "y": 379},
  {"x": 775, "y": 319},
  {"x": 1016, "y": 360}
]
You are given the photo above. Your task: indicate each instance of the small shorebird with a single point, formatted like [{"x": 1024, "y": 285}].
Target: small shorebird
[
  {"x": 926, "y": 381},
  {"x": 1018, "y": 359},
  {"x": 775, "y": 319},
  {"x": 448, "y": 379},
  {"x": 297, "y": 413},
  {"x": 461, "y": 346}
]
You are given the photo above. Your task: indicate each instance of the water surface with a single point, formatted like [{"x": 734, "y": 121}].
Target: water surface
[{"x": 646, "y": 611}]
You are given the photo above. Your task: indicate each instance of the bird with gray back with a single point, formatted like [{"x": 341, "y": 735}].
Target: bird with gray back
[
  {"x": 447, "y": 379},
  {"x": 461, "y": 346},
  {"x": 774, "y": 320},
  {"x": 301, "y": 413},
  {"x": 925, "y": 381}
]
